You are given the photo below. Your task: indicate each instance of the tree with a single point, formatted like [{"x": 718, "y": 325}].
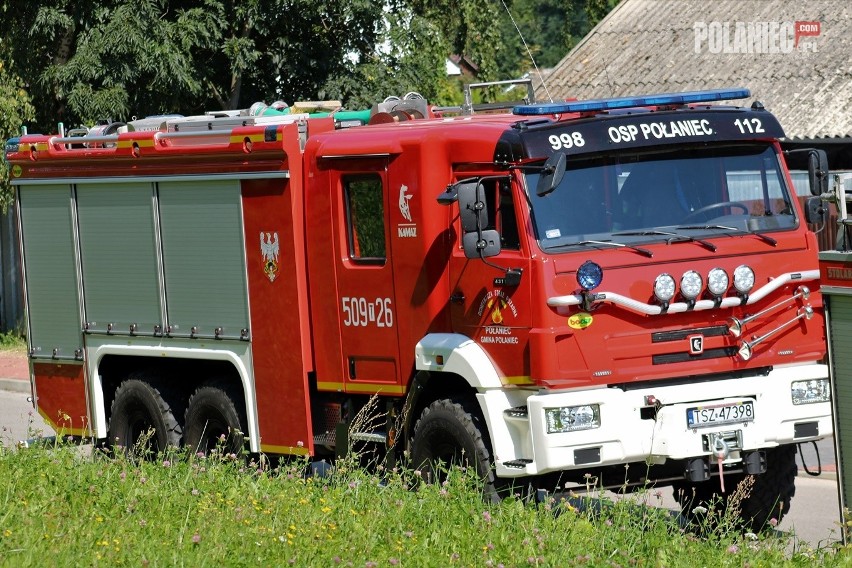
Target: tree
[
  {"x": 117, "y": 59},
  {"x": 120, "y": 58},
  {"x": 15, "y": 110}
]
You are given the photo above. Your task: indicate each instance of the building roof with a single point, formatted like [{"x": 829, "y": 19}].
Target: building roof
[{"x": 654, "y": 46}]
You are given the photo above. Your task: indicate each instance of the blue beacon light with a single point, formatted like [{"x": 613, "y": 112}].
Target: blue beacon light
[{"x": 661, "y": 99}]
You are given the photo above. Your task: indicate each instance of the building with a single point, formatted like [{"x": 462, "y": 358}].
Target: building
[{"x": 795, "y": 57}]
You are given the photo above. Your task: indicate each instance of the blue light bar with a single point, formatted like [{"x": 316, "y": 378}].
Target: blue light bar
[{"x": 594, "y": 105}]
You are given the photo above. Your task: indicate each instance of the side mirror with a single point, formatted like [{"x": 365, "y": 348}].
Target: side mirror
[
  {"x": 482, "y": 244},
  {"x": 551, "y": 174},
  {"x": 815, "y": 211},
  {"x": 472, "y": 209},
  {"x": 817, "y": 171}
]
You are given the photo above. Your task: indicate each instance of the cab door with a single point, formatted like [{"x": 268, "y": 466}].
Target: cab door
[
  {"x": 366, "y": 302},
  {"x": 495, "y": 315}
]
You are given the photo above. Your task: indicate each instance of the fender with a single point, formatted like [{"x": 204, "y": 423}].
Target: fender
[
  {"x": 461, "y": 356},
  {"x": 240, "y": 361}
]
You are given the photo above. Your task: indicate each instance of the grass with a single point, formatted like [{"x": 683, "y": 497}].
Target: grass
[
  {"x": 13, "y": 341},
  {"x": 59, "y": 506}
]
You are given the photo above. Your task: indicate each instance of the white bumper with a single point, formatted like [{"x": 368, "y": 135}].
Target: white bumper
[{"x": 522, "y": 445}]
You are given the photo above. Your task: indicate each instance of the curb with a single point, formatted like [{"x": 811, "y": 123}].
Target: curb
[{"x": 15, "y": 385}]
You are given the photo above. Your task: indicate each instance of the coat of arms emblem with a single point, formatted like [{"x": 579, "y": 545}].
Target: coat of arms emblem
[{"x": 269, "y": 250}]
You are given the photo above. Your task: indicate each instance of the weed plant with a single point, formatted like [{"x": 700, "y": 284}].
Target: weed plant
[{"x": 63, "y": 507}]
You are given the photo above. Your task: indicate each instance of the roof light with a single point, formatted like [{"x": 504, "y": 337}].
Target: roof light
[{"x": 593, "y": 105}]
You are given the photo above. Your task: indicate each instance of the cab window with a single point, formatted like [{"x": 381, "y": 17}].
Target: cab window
[{"x": 365, "y": 218}]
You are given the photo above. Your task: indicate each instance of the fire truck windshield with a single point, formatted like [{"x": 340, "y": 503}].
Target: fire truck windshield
[{"x": 646, "y": 194}]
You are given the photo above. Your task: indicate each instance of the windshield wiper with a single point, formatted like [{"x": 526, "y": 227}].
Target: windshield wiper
[
  {"x": 765, "y": 238},
  {"x": 644, "y": 252},
  {"x": 676, "y": 237}
]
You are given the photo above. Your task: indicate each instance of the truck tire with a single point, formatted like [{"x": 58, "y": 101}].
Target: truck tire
[
  {"x": 769, "y": 497},
  {"x": 139, "y": 407},
  {"x": 213, "y": 421},
  {"x": 772, "y": 491},
  {"x": 447, "y": 434}
]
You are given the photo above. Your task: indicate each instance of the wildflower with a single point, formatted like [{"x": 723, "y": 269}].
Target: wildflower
[
  {"x": 337, "y": 560},
  {"x": 750, "y": 536},
  {"x": 167, "y": 463},
  {"x": 608, "y": 522},
  {"x": 199, "y": 455},
  {"x": 394, "y": 561},
  {"x": 370, "y": 564},
  {"x": 454, "y": 556},
  {"x": 143, "y": 480},
  {"x": 733, "y": 549},
  {"x": 352, "y": 485},
  {"x": 418, "y": 473},
  {"x": 195, "y": 492},
  {"x": 699, "y": 510},
  {"x": 123, "y": 475},
  {"x": 196, "y": 538},
  {"x": 773, "y": 522},
  {"x": 408, "y": 534},
  {"x": 486, "y": 516},
  {"x": 443, "y": 493}
]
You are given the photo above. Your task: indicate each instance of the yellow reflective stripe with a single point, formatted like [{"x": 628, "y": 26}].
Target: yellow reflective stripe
[
  {"x": 378, "y": 388},
  {"x": 269, "y": 448},
  {"x": 146, "y": 143},
  {"x": 253, "y": 138},
  {"x": 63, "y": 430},
  {"x": 522, "y": 380},
  {"x": 363, "y": 388}
]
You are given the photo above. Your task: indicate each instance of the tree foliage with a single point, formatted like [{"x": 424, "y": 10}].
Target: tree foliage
[
  {"x": 117, "y": 59},
  {"x": 15, "y": 110}
]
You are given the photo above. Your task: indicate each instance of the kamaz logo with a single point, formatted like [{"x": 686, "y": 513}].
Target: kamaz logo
[
  {"x": 406, "y": 230},
  {"x": 696, "y": 344}
]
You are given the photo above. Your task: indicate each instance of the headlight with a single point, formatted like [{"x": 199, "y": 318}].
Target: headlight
[
  {"x": 572, "y": 418},
  {"x": 717, "y": 282},
  {"x": 743, "y": 278},
  {"x": 589, "y": 275},
  {"x": 664, "y": 287},
  {"x": 807, "y": 392},
  {"x": 691, "y": 284}
]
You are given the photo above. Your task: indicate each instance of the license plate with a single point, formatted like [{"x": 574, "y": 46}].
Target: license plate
[{"x": 715, "y": 414}]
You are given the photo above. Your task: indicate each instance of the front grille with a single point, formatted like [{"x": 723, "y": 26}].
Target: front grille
[
  {"x": 677, "y": 335},
  {"x": 718, "y": 353}
]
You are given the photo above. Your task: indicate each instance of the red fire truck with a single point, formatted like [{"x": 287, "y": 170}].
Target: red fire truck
[{"x": 624, "y": 288}]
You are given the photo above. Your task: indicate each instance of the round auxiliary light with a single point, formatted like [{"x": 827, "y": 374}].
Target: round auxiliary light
[
  {"x": 664, "y": 287},
  {"x": 691, "y": 284},
  {"x": 743, "y": 278},
  {"x": 717, "y": 282},
  {"x": 589, "y": 275}
]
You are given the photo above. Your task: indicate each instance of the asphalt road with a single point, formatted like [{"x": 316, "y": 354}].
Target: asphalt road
[{"x": 814, "y": 518}]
